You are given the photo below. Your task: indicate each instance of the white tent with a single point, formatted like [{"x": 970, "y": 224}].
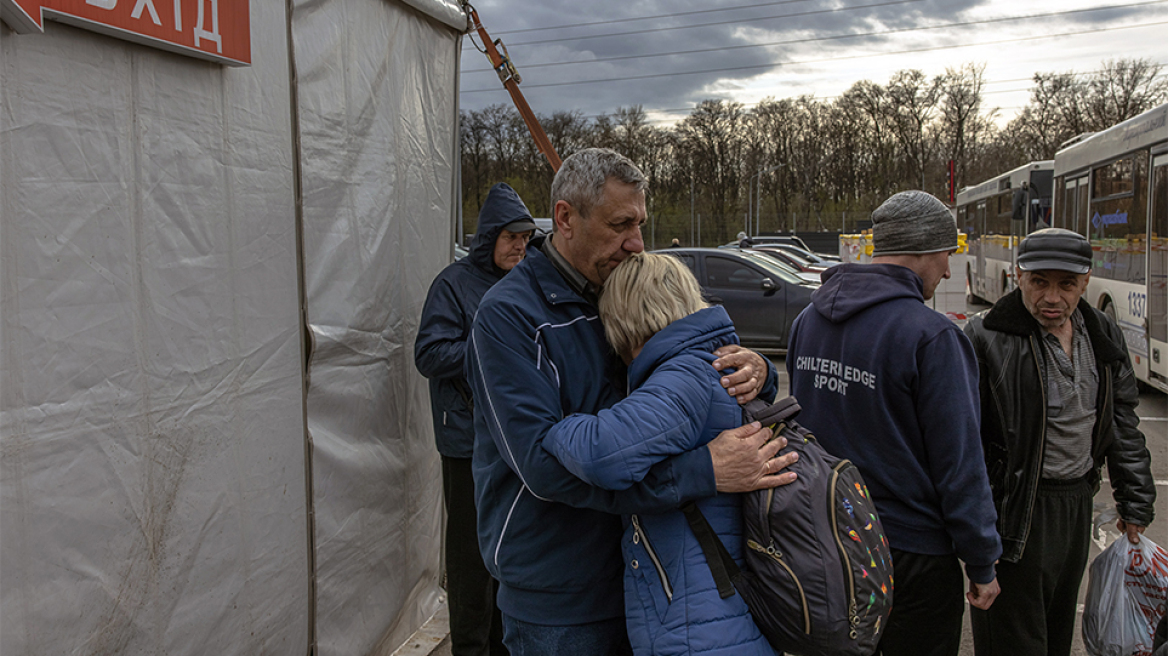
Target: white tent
[{"x": 212, "y": 435}]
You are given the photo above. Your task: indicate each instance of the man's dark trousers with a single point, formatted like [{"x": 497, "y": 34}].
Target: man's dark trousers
[
  {"x": 1035, "y": 613},
  {"x": 476, "y": 626},
  {"x": 928, "y": 602}
]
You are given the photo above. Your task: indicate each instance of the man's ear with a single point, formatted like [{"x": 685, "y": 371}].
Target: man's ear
[{"x": 561, "y": 214}]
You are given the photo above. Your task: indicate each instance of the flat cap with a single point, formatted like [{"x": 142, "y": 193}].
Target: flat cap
[{"x": 1055, "y": 248}]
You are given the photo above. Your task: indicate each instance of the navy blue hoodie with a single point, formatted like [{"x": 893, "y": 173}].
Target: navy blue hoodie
[
  {"x": 453, "y": 299},
  {"x": 892, "y": 385}
]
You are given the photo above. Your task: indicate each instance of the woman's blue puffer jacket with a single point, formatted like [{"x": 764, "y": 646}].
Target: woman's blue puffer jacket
[{"x": 676, "y": 404}]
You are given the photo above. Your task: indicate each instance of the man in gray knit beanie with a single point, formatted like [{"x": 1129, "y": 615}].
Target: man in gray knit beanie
[
  {"x": 911, "y": 421},
  {"x": 913, "y": 223}
]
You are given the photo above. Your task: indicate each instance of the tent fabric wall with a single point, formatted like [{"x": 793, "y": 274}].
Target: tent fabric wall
[
  {"x": 377, "y": 110},
  {"x": 152, "y": 459},
  {"x": 154, "y": 409}
]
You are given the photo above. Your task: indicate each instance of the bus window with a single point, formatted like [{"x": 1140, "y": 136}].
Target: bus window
[
  {"x": 965, "y": 221},
  {"x": 1118, "y": 220},
  {"x": 1113, "y": 179},
  {"x": 998, "y": 212}
]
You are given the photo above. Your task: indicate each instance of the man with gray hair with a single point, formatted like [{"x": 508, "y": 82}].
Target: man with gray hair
[
  {"x": 892, "y": 385},
  {"x": 1058, "y": 399},
  {"x": 537, "y": 355}
]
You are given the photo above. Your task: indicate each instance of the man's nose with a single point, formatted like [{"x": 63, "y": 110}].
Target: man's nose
[{"x": 635, "y": 243}]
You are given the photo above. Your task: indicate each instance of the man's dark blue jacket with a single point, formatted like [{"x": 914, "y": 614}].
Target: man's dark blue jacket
[
  {"x": 892, "y": 385},
  {"x": 537, "y": 355},
  {"x": 454, "y": 296}
]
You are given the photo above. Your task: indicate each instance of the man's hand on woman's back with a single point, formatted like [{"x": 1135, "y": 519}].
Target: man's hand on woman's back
[{"x": 746, "y": 459}]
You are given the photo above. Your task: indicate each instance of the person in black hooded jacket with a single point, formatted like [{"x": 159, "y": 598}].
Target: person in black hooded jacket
[{"x": 499, "y": 244}]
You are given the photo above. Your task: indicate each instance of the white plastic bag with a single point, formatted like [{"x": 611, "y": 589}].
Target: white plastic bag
[{"x": 1126, "y": 595}]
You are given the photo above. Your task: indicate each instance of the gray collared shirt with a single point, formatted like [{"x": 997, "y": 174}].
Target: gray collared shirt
[
  {"x": 576, "y": 280},
  {"x": 1071, "y": 387}
]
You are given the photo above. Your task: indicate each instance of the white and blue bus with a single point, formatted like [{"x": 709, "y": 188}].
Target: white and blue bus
[
  {"x": 995, "y": 215},
  {"x": 1113, "y": 188}
]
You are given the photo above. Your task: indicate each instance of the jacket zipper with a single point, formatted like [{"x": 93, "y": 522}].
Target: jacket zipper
[
  {"x": 639, "y": 535},
  {"x": 853, "y": 615},
  {"x": 778, "y": 558}
]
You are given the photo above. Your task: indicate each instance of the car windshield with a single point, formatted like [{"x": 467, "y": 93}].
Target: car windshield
[
  {"x": 783, "y": 272},
  {"x": 794, "y": 257},
  {"x": 799, "y": 252}
]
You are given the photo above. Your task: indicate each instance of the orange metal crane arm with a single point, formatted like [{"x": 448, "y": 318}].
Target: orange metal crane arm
[{"x": 510, "y": 78}]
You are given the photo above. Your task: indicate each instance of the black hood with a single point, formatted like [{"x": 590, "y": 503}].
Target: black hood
[{"x": 502, "y": 206}]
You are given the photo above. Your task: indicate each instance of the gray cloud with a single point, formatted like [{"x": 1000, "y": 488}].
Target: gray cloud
[{"x": 750, "y": 26}]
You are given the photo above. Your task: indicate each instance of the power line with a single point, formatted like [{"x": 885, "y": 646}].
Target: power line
[
  {"x": 826, "y": 98},
  {"x": 727, "y": 22},
  {"x": 828, "y": 59},
  {"x": 833, "y": 37},
  {"x": 659, "y": 16}
]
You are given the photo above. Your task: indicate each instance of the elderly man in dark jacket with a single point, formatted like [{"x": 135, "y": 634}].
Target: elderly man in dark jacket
[
  {"x": 1058, "y": 399},
  {"x": 499, "y": 244}
]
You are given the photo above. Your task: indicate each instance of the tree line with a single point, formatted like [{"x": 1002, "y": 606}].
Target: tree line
[{"x": 804, "y": 164}]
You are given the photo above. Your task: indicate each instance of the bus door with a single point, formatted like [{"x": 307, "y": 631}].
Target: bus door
[
  {"x": 979, "y": 263},
  {"x": 1158, "y": 268},
  {"x": 1075, "y": 205}
]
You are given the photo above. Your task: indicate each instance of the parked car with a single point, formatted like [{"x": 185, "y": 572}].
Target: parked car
[
  {"x": 543, "y": 226},
  {"x": 803, "y": 264},
  {"x": 790, "y": 243},
  {"x": 460, "y": 252},
  {"x": 818, "y": 258},
  {"x": 761, "y": 296}
]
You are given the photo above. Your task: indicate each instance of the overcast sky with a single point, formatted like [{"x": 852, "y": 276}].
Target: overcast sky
[{"x": 747, "y": 50}]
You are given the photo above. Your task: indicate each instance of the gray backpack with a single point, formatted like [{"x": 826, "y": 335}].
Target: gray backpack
[{"x": 818, "y": 571}]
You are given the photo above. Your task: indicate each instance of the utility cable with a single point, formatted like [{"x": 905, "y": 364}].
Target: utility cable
[
  {"x": 833, "y": 37},
  {"x": 657, "y": 17},
  {"x": 737, "y": 21},
  {"x": 826, "y": 98},
  {"x": 831, "y": 59}
]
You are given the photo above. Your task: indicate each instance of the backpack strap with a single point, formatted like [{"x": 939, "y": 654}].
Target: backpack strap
[
  {"x": 722, "y": 566},
  {"x": 770, "y": 414}
]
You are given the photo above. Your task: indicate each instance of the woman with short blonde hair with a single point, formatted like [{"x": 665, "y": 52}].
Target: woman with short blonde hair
[
  {"x": 654, "y": 316},
  {"x": 644, "y": 294}
]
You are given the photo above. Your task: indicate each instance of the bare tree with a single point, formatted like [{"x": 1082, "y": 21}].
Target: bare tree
[
  {"x": 913, "y": 101},
  {"x": 712, "y": 139},
  {"x": 961, "y": 123},
  {"x": 1122, "y": 89}
]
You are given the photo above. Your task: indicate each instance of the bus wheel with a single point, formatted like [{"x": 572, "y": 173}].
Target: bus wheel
[
  {"x": 970, "y": 297},
  {"x": 1109, "y": 310}
]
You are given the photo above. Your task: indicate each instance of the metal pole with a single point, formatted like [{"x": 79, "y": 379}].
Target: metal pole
[
  {"x": 758, "y": 208},
  {"x": 758, "y": 197},
  {"x": 749, "y": 198}
]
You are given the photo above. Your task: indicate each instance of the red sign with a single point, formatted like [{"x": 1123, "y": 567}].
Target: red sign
[{"x": 218, "y": 30}]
